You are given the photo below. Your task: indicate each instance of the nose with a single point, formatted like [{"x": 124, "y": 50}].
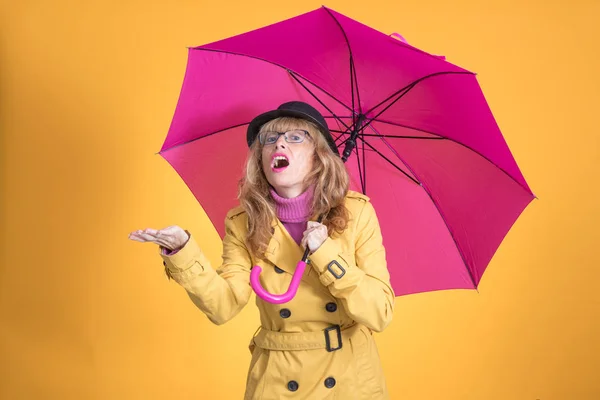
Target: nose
[{"x": 280, "y": 143}]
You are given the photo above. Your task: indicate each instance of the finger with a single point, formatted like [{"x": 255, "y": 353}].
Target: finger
[
  {"x": 160, "y": 234},
  {"x": 140, "y": 236},
  {"x": 308, "y": 236},
  {"x": 136, "y": 238},
  {"x": 309, "y": 230},
  {"x": 151, "y": 231},
  {"x": 313, "y": 224},
  {"x": 160, "y": 237},
  {"x": 154, "y": 239},
  {"x": 147, "y": 236}
]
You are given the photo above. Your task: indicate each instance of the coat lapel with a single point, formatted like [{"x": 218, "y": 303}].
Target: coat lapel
[
  {"x": 285, "y": 253},
  {"x": 282, "y": 249}
]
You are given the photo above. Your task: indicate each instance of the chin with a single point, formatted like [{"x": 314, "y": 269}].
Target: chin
[{"x": 277, "y": 183}]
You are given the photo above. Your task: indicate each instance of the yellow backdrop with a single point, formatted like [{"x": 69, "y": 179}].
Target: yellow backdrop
[{"x": 87, "y": 93}]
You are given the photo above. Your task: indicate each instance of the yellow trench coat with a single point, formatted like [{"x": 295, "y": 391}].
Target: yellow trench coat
[{"x": 345, "y": 293}]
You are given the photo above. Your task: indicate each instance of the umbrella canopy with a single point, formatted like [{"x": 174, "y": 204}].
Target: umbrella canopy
[{"x": 416, "y": 132}]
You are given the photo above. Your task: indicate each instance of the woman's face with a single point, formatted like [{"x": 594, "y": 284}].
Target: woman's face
[{"x": 287, "y": 164}]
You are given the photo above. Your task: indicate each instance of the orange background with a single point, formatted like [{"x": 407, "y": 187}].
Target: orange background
[{"x": 87, "y": 92}]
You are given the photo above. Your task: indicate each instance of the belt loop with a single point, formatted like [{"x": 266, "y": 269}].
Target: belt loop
[
  {"x": 328, "y": 341},
  {"x": 253, "y": 336},
  {"x": 252, "y": 344},
  {"x": 257, "y": 329}
]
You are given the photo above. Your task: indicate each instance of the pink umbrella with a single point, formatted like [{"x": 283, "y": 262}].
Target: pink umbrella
[{"x": 415, "y": 131}]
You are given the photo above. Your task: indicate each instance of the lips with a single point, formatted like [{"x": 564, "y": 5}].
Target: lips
[{"x": 279, "y": 162}]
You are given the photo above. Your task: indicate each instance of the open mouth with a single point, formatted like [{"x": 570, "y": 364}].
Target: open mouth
[{"x": 279, "y": 163}]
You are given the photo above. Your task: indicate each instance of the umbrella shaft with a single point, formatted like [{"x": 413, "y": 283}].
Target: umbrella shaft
[{"x": 351, "y": 143}]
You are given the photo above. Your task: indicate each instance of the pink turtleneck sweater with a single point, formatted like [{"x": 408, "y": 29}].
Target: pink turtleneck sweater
[{"x": 293, "y": 214}]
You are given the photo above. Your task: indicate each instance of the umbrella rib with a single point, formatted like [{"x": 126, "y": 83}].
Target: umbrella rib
[
  {"x": 361, "y": 172},
  {"x": 355, "y": 81},
  {"x": 439, "y": 210},
  {"x": 201, "y": 137},
  {"x": 343, "y": 141},
  {"x": 410, "y": 86},
  {"x": 277, "y": 65},
  {"x": 342, "y": 134},
  {"x": 400, "y": 95},
  {"x": 293, "y": 74},
  {"x": 352, "y": 69},
  {"x": 352, "y": 86},
  {"x": 364, "y": 169},
  {"x": 406, "y": 137},
  {"x": 360, "y": 175},
  {"x": 389, "y": 161},
  {"x": 458, "y": 143}
]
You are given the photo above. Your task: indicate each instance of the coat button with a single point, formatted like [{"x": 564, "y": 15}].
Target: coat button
[
  {"x": 292, "y": 386},
  {"x": 285, "y": 313},
  {"x": 329, "y": 382},
  {"x": 331, "y": 307},
  {"x": 279, "y": 270}
]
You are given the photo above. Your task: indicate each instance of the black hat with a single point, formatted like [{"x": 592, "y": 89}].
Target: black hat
[{"x": 296, "y": 109}]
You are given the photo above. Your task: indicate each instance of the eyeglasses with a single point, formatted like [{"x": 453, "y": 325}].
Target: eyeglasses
[{"x": 293, "y": 136}]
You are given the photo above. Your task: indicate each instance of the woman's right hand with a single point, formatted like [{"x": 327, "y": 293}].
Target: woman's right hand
[{"x": 171, "y": 238}]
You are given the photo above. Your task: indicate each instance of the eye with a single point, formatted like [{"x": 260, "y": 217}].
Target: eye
[{"x": 296, "y": 135}]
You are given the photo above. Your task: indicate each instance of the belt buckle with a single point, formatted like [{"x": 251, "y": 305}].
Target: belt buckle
[{"x": 328, "y": 342}]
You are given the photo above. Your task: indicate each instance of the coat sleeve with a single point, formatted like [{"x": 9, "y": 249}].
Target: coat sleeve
[
  {"x": 222, "y": 293},
  {"x": 361, "y": 280}
]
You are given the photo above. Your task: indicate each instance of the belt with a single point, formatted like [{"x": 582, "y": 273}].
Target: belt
[{"x": 331, "y": 338}]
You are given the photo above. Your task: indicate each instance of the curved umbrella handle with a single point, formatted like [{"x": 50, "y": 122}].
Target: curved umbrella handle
[
  {"x": 291, "y": 292},
  {"x": 277, "y": 298}
]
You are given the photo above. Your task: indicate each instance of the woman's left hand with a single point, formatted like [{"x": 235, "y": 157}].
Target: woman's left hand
[{"x": 314, "y": 235}]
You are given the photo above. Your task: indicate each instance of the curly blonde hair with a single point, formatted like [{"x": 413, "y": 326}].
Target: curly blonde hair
[{"x": 329, "y": 177}]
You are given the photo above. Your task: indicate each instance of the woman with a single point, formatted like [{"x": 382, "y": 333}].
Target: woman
[{"x": 319, "y": 345}]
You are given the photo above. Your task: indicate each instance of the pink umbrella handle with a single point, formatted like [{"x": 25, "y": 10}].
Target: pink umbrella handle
[
  {"x": 401, "y": 38},
  {"x": 277, "y": 298}
]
